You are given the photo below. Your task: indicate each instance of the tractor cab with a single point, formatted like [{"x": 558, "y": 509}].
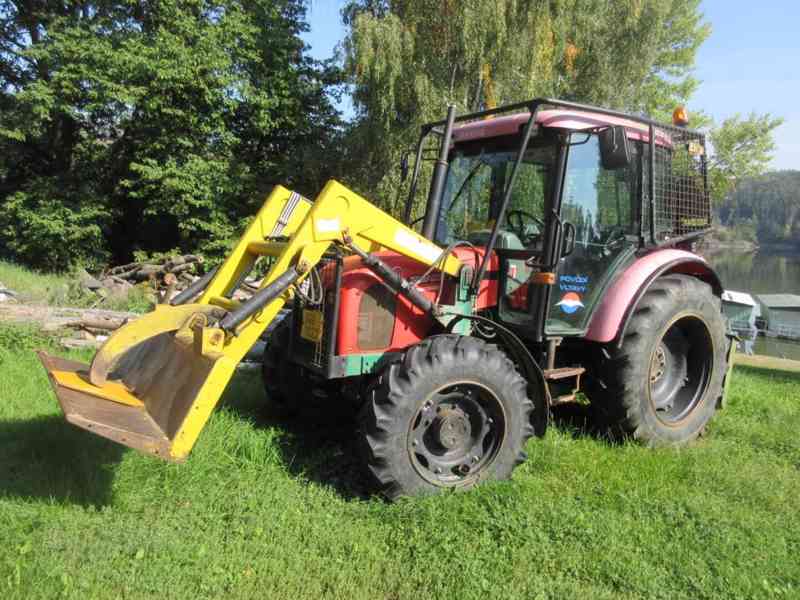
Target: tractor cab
[{"x": 563, "y": 198}]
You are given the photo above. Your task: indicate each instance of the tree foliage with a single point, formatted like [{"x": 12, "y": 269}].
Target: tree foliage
[
  {"x": 769, "y": 205},
  {"x": 146, "y": 125},
  {"x": 150, "y": 125},
  {"x": 742, "y": 148},
  {"x": 408, "y": 59}
]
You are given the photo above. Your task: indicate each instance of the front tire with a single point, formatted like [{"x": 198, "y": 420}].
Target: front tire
[
  {"x": 662, "y": 384},
  {"x": 283, "y": 380},
  {"x": 453, "y": 413}
]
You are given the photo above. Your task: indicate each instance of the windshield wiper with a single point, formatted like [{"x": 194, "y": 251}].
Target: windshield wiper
[{"x": 468, "y": 178}]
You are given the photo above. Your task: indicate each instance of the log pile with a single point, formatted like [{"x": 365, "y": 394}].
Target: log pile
[
  {"x": 178, "y": 266},
  {"x": 91, "y": 327},
  {"x": 167, "y": 276}
]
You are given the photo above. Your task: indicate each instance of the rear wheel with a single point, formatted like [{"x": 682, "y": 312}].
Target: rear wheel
[
  {"x": 453, "y": 413},
  {"x": 662, "y": 384}
]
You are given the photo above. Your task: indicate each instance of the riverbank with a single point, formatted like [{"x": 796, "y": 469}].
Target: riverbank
[
  {"x": 771, "y": 363},
  {"x": 713, "y": 245}
]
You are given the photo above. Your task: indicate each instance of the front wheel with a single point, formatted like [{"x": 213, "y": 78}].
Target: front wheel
[
  {"x": 662, "y": 383},
  {"x": 453, "y": 413}
]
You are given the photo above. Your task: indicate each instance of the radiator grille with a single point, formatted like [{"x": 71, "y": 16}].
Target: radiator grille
[
  {"x": 376, "y": 313},
  {"x": 318, "y": 354}
]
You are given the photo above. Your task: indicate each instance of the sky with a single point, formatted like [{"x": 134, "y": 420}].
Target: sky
[{"x": 751, "y": 62}]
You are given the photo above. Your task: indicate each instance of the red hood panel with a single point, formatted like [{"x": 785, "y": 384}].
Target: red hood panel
[{"x": 411, "y": 324}]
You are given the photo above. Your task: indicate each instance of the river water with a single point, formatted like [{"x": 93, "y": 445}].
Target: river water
[{"x": 763, "y": 272}]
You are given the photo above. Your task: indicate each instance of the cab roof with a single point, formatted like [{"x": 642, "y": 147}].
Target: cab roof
[{"x": 574, "y": 120}]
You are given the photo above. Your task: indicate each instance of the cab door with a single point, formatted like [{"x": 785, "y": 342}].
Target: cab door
[{"x": 600, "y": 208}]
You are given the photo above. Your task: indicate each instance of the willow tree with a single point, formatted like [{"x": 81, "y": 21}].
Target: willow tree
[{"x": 408, "y": 59}]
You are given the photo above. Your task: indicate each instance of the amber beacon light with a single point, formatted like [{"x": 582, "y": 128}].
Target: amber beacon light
[{"x": 680, "y": 117}]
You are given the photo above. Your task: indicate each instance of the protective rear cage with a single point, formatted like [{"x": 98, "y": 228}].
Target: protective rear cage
[{"x": 675, "y": 203}]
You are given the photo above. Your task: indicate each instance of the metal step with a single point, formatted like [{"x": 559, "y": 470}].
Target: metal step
[{"x": 563, "y": 372}]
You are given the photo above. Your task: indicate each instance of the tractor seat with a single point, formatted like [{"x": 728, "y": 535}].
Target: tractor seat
[{"x": 506, "y": 240}]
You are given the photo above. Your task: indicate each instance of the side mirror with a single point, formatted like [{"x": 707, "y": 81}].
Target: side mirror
[
  {"x": 569, "y": 233},
  {"x": 615, "y": 151},
  {"x": 404, "y": 167}
]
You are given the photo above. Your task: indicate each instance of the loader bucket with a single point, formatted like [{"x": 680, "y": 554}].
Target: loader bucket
[
  {"x": 156, "y": 393},
  {"x": 156, "y": 380}
]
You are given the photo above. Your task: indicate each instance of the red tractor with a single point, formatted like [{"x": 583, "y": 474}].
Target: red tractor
[
  {"x": 555, "y": 257},
  {"x": 575, "y": 226}
]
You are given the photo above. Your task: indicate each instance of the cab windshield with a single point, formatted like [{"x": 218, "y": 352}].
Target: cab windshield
[{"x": 476, "y": 180}]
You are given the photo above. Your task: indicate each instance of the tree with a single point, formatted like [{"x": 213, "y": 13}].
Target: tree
[
  {"x": 408, "y": 59},
  {"x": 742, "y": 148},
  {"x": 152, "y": 125},
  {"x": 769, "y": 204}
]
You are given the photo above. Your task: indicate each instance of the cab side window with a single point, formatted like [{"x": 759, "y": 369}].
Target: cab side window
[{"x": 599, "y": 202}]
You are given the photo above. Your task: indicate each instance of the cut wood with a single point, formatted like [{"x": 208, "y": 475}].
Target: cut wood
[
  {"x": 77, "y": 344},
  {"x": 53, "y": 318},
  {"x": 101, "y": 323}
]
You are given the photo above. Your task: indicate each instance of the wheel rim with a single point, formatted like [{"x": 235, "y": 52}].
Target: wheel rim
[
  {"x": 456, "y": 434},
  {"x": 680, "y": 367}
]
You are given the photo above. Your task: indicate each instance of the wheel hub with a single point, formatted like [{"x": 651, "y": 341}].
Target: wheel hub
[
  {"x": 680, "y": 368},
  {"x": 451, "y": 428},
  {"x": 456, "y": 434}
]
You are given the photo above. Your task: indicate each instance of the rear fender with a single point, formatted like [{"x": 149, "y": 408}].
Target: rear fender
[{"x": 620, "y": 301}]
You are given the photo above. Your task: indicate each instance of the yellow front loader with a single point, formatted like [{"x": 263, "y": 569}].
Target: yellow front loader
[{"x": 154, "y": 383}]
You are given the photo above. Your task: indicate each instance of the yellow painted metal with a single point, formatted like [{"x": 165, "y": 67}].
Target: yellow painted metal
[
  {"x": 225, "y": 303},
  {"x": 241, "y": 259},
  {"x": 113, "y": 391},
  {"x": 266, "y": 248},
  {"x": 312, "y": 328},
  {"x": 338, "y": 209},
  {"x": 162, "y": 320},
  {"x": 209, "y": 342},
  {"x": 176, "y": 363}
]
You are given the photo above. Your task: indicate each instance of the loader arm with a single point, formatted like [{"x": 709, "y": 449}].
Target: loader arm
[{"x": 154, "y": 383}]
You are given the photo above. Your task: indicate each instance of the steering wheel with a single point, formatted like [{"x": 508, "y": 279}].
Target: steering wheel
[
  {"x": 611, "y": 238},
  {"x": 516, "y": 221}
]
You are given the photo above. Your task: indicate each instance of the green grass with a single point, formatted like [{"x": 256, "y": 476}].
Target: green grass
[{"x": 271, "y": 509}]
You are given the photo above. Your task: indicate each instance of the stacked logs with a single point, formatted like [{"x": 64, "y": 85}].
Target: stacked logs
[{"x": 170, "y": 275}]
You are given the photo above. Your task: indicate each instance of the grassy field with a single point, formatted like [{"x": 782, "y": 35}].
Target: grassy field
[
  {"x": 62, "y": 289},
  {"x": 33, "y": 286},
  {"x": 272, "y": 509}
]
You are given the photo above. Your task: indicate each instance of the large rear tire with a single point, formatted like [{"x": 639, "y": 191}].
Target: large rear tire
[
  {"x": 454, "y": 412},
  {"x": 662, "y": 384}
]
